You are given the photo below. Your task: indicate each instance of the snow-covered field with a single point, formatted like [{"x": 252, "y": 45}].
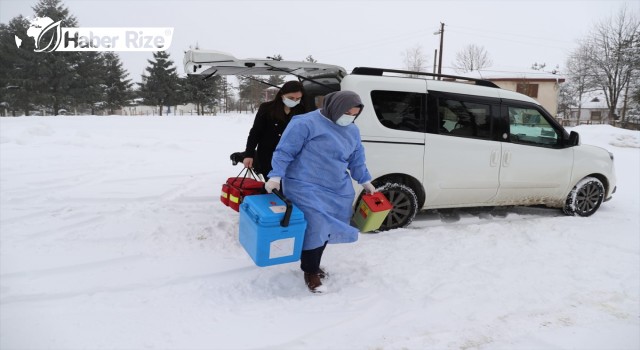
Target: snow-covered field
[{"x": 113, "y": 237}]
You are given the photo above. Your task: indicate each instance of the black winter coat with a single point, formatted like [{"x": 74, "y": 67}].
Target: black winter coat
[{"x": 265, "y": 135}]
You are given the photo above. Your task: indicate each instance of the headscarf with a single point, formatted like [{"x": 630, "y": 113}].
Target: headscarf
[{"x": 338, "y": 103}]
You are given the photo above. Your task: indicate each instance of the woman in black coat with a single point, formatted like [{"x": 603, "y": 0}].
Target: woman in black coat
[{"x": 271, "y": 120}]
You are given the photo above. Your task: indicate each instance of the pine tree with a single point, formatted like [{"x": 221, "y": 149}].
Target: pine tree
[
  {"x": 54, "y": 75},
  {"x": 200, "y": 92},
  {"x": 161, "y": 86},
  {"x": 276, "y": 80},
  {"x": 117, "y": 86},
  {"x": 87, "y": 88},
  {"x": 55, "y": 10},
  {"x": 17, "y": 91},
  {"x": 51, "y": 80},
  {"x": 251, "y": 90}
]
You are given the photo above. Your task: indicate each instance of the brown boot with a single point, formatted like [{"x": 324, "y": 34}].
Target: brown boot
[
  {"x": 314, "y": 283},
  {"x": 323, "y": 274}
]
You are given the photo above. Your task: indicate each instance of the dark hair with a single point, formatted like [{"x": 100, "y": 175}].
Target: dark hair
[
  {"x": 288, "y": 87},
  {"x": 277, "y": 106}
]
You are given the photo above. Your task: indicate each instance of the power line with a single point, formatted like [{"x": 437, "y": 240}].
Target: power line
[
  {"x": 520, "y": 35},
  {"x": 377, "y": 42},
  {"x": 510, "y": 40}
]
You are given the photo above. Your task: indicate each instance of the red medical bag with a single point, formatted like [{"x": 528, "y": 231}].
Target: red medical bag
[{"x": 239, "y": 187}]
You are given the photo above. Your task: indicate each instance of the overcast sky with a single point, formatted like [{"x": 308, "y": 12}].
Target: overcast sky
[{"x": 351, "y": 33}]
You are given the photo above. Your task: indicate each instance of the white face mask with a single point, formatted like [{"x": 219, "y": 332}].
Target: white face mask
[
  {"x": 345, "y": 120},
  {"x": 289, "y": 103}
]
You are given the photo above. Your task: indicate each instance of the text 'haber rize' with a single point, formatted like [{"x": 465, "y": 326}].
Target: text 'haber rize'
[{"x": 133, "y": 39}]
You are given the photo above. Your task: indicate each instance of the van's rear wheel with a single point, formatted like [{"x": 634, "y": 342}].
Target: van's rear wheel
[
  {"x": 585, "y": 198},
  {"x": 405, "y": 205}
]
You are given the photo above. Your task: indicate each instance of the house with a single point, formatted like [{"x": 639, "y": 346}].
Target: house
[
  {"x": 541, "y": 86},
  {"x": 270, "y": 93},
  {"x": 137, "y": 108},
  {"x": 593, "y": 110}
]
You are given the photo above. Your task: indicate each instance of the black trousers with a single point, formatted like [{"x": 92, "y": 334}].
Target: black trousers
[{"x": 310, "y": 259}]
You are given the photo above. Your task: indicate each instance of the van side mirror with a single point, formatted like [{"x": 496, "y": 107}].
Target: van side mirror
[{"x": 574, "y": 139}]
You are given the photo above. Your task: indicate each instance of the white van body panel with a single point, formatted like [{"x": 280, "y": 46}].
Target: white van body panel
[
  {"x": 406, "y": 147},
  {"x": 461, "y": 172},
  {"x": 533, "y": 175},
  {"x": 593, "y": 161}
]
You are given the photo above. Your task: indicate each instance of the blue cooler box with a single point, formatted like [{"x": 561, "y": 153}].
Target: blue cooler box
[{"x": 264, "y": 235}]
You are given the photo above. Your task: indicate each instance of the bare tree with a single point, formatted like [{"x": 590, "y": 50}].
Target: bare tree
[
  {"x": 226, "y": 94},
  {"x": 471, "y": 58},
  {"x": 541, "y": 67},
  {"x": 613, "y": 49},
  {"x": 566, "y": 100},
  {"x": 414, "y": 59},
  {"x": 579, "y": 81},
  {"x": 634, "y": 108}
]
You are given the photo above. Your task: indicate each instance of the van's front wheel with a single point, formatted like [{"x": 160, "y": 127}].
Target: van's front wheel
[
  {"x": 405, "y": 205},
  {"x": 585, "y": 198}
]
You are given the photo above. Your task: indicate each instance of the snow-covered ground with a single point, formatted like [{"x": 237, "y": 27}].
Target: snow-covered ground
[{"x": 113, "y": 237}]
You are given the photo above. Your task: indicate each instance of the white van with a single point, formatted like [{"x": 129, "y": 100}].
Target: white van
[{"x": 445, "y": 143}]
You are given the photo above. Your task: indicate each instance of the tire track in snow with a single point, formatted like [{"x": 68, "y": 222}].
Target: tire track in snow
[
  {"x": 123, "y": 288},
  {"x": 89, "y": 266},
  {"x": 471, "y": 216}
]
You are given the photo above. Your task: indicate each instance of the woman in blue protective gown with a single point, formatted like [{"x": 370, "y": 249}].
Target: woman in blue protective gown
[{"x": 315, "y": 160}]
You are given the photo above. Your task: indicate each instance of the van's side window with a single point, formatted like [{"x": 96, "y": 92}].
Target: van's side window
[
  {"x": 400, "y": 110},
  {"x": 463, "y": 118},
  {"x": 528, "y": 126}
]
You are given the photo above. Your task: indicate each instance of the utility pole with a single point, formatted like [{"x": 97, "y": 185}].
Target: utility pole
[
  {"x": 435, "y": 59},
  {"x": 441, "y": 32}
]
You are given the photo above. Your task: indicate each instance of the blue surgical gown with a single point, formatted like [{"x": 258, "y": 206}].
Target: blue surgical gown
[{"x": 316, "y": 160}]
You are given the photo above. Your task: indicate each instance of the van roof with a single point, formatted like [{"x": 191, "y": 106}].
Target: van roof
[{"x": 381, "y": 71}]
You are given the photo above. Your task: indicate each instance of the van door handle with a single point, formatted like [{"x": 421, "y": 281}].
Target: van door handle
[
  {"x": 494, "y": 158},
  {"x": 506, "y": 159}
]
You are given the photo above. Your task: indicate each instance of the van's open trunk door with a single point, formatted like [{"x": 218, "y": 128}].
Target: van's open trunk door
[
  {"x": 318, "y": 79},
  {"x": 211, "y": 63}
]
